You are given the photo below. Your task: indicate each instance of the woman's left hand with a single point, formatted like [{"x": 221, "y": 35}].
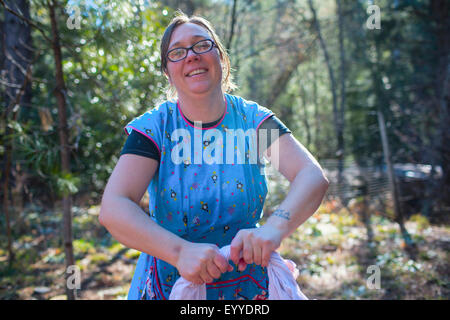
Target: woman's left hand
[{"x": 256, "y": 244}]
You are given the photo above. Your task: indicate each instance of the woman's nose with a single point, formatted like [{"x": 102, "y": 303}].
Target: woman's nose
[{"x": 191, "y": 55}]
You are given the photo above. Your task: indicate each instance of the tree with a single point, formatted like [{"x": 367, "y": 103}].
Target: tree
[
  {"x": 343, "y": 94},
  {"x": 60, "y": 92},
  {"x": 16, "y": 77}
]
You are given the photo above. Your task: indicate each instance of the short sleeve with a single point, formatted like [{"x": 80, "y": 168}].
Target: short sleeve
[
  {"x": 272, "y": 123},
  {"x": 150, "y": 125},
  {"x": 140, "y": 145}
]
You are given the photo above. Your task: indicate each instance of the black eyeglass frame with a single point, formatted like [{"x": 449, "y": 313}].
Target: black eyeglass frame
[{"x": 191, "y": 48}]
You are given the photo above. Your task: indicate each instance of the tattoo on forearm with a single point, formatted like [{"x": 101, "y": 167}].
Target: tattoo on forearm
[{"x": 282, "y": 214}]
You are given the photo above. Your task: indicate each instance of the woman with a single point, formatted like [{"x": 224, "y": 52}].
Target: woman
[{"x": 199, "y": 201}]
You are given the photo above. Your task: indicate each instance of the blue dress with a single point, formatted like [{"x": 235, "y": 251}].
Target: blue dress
[{"x": 209, "y": 185}]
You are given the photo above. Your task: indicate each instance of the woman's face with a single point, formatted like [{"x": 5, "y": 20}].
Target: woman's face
[{"x": 179, "y": 73}]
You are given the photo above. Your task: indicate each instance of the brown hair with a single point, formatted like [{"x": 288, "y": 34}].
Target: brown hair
[{"x": 181, "y": 18}]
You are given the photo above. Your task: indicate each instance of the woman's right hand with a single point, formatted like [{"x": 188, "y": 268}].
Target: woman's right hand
[{"x": 201, "y": 262}]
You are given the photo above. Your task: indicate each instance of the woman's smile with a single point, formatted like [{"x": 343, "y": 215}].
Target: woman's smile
[{"x": 196, "y": 72}]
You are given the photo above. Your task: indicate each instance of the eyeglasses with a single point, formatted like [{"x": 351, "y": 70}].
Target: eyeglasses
[{"x": 203, "y": 46}]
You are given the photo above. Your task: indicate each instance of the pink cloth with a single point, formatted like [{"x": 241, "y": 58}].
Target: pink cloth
[{"x": 282, "y": 284}]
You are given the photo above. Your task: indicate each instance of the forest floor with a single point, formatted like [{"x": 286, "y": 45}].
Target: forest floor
[{"x": 330, "y": 249}]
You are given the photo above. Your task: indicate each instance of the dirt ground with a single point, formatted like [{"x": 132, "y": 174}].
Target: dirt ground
[{"x": 331, "y": 250}]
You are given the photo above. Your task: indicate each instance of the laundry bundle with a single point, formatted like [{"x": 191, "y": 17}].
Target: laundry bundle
[{"x": 282, "y": 284}]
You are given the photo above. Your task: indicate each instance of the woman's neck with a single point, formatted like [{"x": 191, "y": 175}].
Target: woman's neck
[{"x": 204, "y": 108}]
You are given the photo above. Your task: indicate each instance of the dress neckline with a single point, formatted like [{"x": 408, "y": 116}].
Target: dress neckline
[{"x": 208, "y": 125}]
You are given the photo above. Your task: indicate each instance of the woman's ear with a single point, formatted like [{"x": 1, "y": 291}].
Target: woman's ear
[{"x": 168, "y": 77}]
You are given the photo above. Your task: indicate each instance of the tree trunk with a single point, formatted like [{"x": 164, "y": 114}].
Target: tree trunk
[
  {"x": 280, "y": 84},
  {"x": 16, "y": 73},
  {"x": 253, "y": 85},
  {"x": 64, "y": 142},
  {"x": 316, "y": 114},
  {"x": 399, "y": 218},
  {"x": 333, "y": 86},
  {"x": 303, "y": 103},
  {"x": 441, "y": 17},
  {"x": 6, "y": 176},
  {"x": 17, "y": 51},
  {"x": 232, "y": 24},
  {"x": 341, "y": 119}
]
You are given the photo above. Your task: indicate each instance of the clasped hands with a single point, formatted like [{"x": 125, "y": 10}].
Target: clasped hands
[{"x": 202, "y": 262}]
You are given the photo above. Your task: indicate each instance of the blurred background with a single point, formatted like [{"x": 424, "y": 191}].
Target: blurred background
[{"x": 364, "y": 85}]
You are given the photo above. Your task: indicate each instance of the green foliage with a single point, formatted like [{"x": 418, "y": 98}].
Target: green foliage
[
  {"x": 83, "y": 246},
  {"x": 111, "y": 74},
  {"x": 422, "y": 221},
  {"x": 67, "y": 184}
]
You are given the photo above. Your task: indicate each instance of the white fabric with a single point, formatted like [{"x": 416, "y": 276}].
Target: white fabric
[{"x": 282, "y": 284}]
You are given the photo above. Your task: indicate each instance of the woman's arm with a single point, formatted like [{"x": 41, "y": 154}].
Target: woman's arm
[
  {"x": 121, "y": 214},
  {"x": 308, "y": 184},
  {"x": 307, "y": 189}
]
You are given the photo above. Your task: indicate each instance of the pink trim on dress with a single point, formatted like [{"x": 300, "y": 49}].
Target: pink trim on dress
[
  {"x": 263, "y": 121},
  {"x": 144, "y": 135},
  {"x": 226, "y": 283},
  {"x": 182, "y": 115}
]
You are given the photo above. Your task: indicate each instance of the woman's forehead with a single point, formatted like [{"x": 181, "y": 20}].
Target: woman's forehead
[{"x": 187, "y": 32}]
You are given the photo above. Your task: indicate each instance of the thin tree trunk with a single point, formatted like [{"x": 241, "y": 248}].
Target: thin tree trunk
[
  {"x": 316, "y": 113},
  {"x": 341, "y": 119},
  {"x": 364, "y": 210},
  {"x": 392, "y": 183},
  {"x": 232, "y": 24},
  {"x": 333, "y": 86},
  {"x": 381, "y": 100},
  {"x": 305, "y": 116},
  {"x": 16, "y": 70},
  {"x": 6, "y": 176},
  {"x": 280, "y": 83},
  {"x": 440, "y": 16},
  {"x": 253, "y": 85},
  {"x": 64, "y": 142}
]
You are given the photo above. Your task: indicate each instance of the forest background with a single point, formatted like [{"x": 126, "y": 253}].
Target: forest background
[{"x": 364, "y": 85}]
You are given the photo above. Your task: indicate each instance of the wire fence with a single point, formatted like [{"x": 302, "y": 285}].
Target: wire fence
[
  {"x": 357, "y": 180},
  {"x": 369, "y": 183}
]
